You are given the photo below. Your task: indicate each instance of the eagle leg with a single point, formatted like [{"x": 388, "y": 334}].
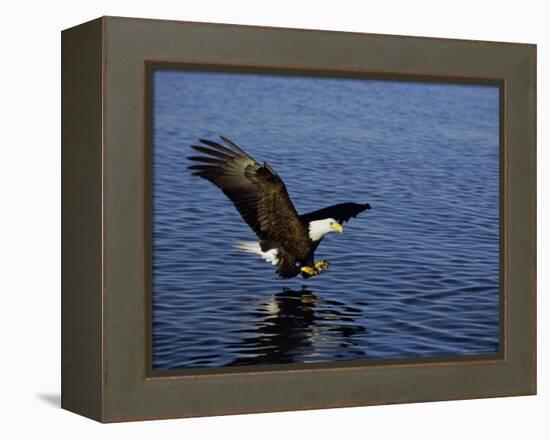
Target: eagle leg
[
  {"x": 308, "y": 271},
  {"x": 321, "y": 266},
  {"x": 311, "y": 271}
]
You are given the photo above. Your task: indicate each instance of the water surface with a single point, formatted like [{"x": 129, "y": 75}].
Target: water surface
[{"x": 415, "y": 277}]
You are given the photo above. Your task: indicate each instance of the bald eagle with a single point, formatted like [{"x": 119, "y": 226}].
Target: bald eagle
[{"x": 286, "y": 239}]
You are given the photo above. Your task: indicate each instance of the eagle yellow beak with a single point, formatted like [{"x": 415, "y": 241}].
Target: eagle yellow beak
[{"x": 337, "y": 227}]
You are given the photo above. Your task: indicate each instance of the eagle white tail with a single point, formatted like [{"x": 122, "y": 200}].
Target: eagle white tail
[{"x": 253, "y": 247}]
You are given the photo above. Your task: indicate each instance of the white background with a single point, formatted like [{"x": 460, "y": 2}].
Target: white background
[{"x": 30, "y": 218}]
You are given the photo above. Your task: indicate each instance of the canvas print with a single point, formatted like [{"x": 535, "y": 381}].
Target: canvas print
[{"x": 300, "y": 219}]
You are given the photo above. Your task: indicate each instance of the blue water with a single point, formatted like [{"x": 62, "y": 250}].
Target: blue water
[{"x": 415, "y": 277}]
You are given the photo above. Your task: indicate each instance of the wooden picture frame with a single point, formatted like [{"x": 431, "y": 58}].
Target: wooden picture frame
[{"x": 106, "y": 232}]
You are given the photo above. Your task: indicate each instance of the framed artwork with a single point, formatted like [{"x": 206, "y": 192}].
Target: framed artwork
[{"x": 264, "y": 219}]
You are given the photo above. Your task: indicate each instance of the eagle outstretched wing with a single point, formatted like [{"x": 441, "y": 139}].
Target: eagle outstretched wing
[
  {"x": 341, "y": 212},
  {"x": 259, "y": 195}
]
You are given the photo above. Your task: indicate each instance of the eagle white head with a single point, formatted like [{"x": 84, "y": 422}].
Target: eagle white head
[{"x": 319, "y": 228}]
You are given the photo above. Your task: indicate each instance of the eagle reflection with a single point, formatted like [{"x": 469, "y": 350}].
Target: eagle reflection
[{"x": 299, "y": 326}]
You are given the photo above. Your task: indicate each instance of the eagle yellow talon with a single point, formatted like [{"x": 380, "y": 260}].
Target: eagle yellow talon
[
  {"x": 308, "y": 270},
  {"x": 321, "y": 266}
]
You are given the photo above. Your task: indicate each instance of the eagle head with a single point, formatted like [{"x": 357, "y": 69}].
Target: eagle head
[
  {"x": 319, "y": 228},
  {"x": 334, "y": 226}
]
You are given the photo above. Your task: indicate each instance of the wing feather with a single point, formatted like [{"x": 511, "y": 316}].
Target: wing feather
[
  {"x": 235, "y": 146},
  {"x": 206, "y": 159},
  {"x": 219, "y": 147},
  {"x": 259, "y": 195},
  {"x": 212, "y": 152},
  {"x": 341, "y": 212}
]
